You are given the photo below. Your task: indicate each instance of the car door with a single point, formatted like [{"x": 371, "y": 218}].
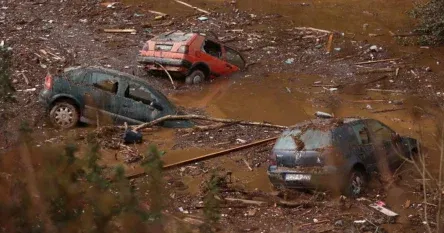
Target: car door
[
  {"x": 234, "y": 59},
  {"x": 139, "y": 103},
  {"x": 100, "y": 97},
  {"x": 382, "y": 137},
  {"x": 213, "y": 55},
  {"x": 365, "y": 149}
]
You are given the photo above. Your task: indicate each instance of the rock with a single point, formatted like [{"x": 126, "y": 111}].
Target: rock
[
  {"x": 14, "y": 81},
  {"x": 373, "y": 48},
  {"x": 339, "y": 223},
  {"x": 251, "y": 212},
  {"x": 428, "y": 69}
]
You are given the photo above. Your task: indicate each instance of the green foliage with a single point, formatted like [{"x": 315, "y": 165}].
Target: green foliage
[
  {"x": 211, "y": 203},
  {"x": 5, "y": 63},
  {"x": 75, "y": 194},
  {"x": 431, "y": 17},
  {"x": 153, "y": 166}
]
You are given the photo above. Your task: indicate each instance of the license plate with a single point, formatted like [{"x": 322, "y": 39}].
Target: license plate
[{"x": 298, "y": 177}]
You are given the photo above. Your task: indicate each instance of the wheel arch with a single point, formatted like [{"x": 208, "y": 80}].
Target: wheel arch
[
  {"x": 200, "y": 66},
  {"x": 67, "y": 98}
]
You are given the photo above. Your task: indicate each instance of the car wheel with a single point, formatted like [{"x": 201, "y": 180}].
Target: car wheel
[
  {"x": 64, "y": 115},
  {"x": 356, "y": 184},
  {"x": 195, "y": 77}
]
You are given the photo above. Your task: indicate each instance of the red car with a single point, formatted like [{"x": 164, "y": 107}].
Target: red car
[{"x": 190, "y": 55}]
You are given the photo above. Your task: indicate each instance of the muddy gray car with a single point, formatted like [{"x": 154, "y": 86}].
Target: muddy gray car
[
  {"x": 95, "y": 94},
  {"x": 336, "y": 154}
]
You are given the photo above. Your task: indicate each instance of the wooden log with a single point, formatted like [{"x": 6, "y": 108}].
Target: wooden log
[
  {"x": 376, "y": 61},
  {"x": 190, "y": 6},
  {"x": 199, "y": 117},
  {"x": 248, "y": 202},
  {"x": 383, "y": 90},
  {"x": 120, "y": 30},
  {"x": 313, "y": 29},
  {"x": 329, "y": 43},
  {"x": 388, "y": 110}
]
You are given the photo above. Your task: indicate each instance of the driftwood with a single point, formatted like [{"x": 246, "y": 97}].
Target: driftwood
[
  {"x": 248, "y": 202},
  {"x": 376, "y": 61},
  {"x": 329, "y": 43},
  {"x": 120, "y": 30},
  {"x": 378, "y": 70},
  {"x": 388, "y": 110},
  {"x": 207, "y": 156},
  {"x": 290, "y": 204},
  {"x": 368, "y": 101},
  {"x": 313, "y": 223},
  {"x": 199, "y": 117},
  {"x": 157, "y": 13},
  {"x": 168, "y": 73},
  {"x": 190, "y": 6},
  {"x": 247, "y": 164},
  {"x": 383, "y": 90},
  {"x": 312, "y": 29}
]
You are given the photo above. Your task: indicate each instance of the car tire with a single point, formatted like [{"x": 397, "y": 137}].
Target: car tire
[
  {"x": 64, "y": 115},
  {"x": 195, "y": 77},
  {"x": 356, "y": 183}
]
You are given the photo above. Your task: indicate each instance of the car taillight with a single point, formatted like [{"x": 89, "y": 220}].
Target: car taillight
[
  {"x": 183, "y": 49},
  {"x": 48, "y": 82},
  {"x": 272, "y": 158}
]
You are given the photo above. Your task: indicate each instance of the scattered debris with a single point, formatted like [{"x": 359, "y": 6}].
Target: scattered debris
[
  {"x": 132, "y": 31},
  {"x": 190, "y": 6},
  {"x": 289, "y": 61}
]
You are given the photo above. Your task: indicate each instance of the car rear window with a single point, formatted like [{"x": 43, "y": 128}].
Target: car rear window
[
  {"x": 163, "y": 47},
  {"x": 312, "y": 139},
  {"x": 174, "y": 37}
]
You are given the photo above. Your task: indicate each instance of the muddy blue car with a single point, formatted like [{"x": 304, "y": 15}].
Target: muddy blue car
[
  {"x": 336, "y": 154},
  {"x": 98, "y": 95}
]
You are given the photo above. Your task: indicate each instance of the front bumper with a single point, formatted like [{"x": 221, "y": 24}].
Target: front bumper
[{"x": 301, "y": 180}]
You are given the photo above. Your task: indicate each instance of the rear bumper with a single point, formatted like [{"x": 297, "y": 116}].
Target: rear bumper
[
  {"x": 281, "y": 179},
  {"x": 44, "y": 97},
  {"x": 170, "y": 64}
]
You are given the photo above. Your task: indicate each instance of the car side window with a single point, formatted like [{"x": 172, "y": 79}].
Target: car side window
[
  {"x": 380, "y": 132},
  {"x": 361, "y": 132},
  {"x": 212, "y": 48},
  {"x": 233, "y": 57},
  {"x": 103, "y": 81},
  {"x": 139, "y": 93}
]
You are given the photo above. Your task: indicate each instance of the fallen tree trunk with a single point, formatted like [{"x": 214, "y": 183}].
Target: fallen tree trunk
[{"x": 199, "y": 117}]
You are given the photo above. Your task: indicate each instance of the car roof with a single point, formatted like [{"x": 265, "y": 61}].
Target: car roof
[
  {"x": 175, "y": 36},
  {"x": 110, "y": 71},
  {"x": 325, "y": 123}
]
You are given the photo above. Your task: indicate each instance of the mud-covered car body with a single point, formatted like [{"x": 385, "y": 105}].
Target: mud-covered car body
[
  {"x": 324, "y": 153},
  {"x": 182, "y": 53},
  {"x": 109, "y": 94}
]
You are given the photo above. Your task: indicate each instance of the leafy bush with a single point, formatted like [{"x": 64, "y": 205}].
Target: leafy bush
[{"x": 431, "y": 16}]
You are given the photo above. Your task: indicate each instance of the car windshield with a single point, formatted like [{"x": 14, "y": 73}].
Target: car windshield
[
  {"x": 310, "y": 139},
  {"x": 174, "y": 37}
]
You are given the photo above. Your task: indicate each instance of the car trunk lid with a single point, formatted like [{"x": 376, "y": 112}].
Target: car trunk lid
[{"x": 302, "y": 148}]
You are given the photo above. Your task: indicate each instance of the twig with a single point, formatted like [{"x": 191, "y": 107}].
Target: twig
[
  {"x": 313, "y": 223},
  {"x": 378, "y": 70},
  {"x": 249, "y": 202},
  {"x": 329, "y": 42},
  {"x": 190, "y": 6},
  {"x": 387, "y": 110},
  {"x": 24, "y": 77},
  {"x": 199, "y": 117},
  {"x": 168, "y": 73},
  {"x": 384, "y": 90},
  {"x": 120, "y": 30},
  {"x": 248, "y": 165},
  {"x": 313, "y": 29},
  {"x": 376, "y": 61},
  {"x": 157, "y": 13}
]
